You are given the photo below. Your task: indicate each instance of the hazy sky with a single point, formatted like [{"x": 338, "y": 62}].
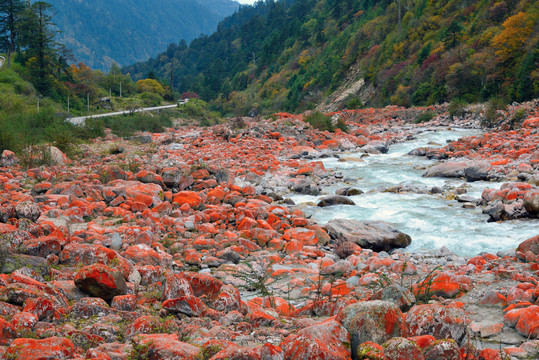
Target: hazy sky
[{"x": 246, "y": 1}]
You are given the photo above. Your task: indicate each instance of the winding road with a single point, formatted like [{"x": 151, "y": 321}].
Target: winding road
[{"x": 81, "y": 119}]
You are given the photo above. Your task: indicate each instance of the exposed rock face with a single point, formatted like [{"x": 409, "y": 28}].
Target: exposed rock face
[
  {"x": 335, "y": 200},
  {"x": 375, "y": 235}
]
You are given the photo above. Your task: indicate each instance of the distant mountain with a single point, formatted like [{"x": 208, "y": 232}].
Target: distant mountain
[{"x": 101, "y": 32}]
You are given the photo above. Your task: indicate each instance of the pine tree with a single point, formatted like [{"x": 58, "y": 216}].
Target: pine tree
[
  {"x": 37, "y": 41},
  {"x": 10, "y": 12}
]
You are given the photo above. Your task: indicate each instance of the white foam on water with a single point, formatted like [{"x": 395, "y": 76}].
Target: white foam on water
[{"x": 430, "y": 220}]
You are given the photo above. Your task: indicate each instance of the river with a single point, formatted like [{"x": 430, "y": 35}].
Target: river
[{"x": 431, "y": 220}]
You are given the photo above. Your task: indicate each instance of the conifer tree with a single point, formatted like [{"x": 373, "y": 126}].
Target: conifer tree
[
  {"x": 37, "y": 41},
  {"x": 10, "y": 12}
]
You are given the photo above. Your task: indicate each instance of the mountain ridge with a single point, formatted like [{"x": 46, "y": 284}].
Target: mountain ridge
[{"x": 102, "y": 32}]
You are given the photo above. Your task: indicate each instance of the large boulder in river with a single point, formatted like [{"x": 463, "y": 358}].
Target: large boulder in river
[
  {"x": 375, "y": 147},
  {"x": 348, "y": 191},
  {"x": 335, "y": 200},
  {"x": 375, "y": 235},
  {"x": 477, "y": 172},
  {"x": 447, "y": 169}
]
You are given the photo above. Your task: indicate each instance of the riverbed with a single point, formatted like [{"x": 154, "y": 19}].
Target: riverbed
[{"x": 432, "y": 220}]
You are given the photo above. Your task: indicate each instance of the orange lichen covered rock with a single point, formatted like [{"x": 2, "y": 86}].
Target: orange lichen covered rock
[
  {"x": 324, "y": 340},
  {"x": 376, "y": 321},
  {"x": 101, "y": 281},
  {"x": 32, "y": 349},
  {"x": 167, "y": 347},
  {"x": 402, "y": 349},
  {"x": 437, "y": 320},
  {"x": 526, "y": 320},
  {"x": 188, "y": 197}
]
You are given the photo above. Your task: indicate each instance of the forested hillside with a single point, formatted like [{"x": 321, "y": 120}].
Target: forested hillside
[
  {"x": 101, "y": 32},
  {"x": 293, "y": 55}
]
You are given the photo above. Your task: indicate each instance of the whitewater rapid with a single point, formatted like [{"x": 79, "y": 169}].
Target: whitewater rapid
[{"x": 431, "y": 220}]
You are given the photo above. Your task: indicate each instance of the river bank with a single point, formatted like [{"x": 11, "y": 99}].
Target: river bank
[{"x": 184, "y": 245}]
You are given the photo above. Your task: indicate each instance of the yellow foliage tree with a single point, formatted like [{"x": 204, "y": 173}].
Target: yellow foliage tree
[
  {"x": 509, "y": 42},
  {"x": 150, "y": 85}
]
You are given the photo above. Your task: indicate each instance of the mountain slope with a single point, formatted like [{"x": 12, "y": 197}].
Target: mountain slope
[
  {"x": 101, "y": 32},
  {"x": 294, "y": 55}
]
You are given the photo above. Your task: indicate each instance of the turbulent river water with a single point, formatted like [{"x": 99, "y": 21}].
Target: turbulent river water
[{"x": 431, "y": 220}]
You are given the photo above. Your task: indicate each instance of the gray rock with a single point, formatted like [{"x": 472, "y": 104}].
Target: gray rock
[
  {"x": 175, "y": 147},
  {"x": 505, "y": 253},
  {"x": 375, "y": 235},
  {"x": 447, "y": 169},
  {"x": 375, "y": 147},
  {"x": 477, "y": 172},
  {"x": 531, "y": 203},
  {"x": 466, "y": 199},
  {"x": 28, "y": 210},
  {"x": 222, "y": 176},
  {"x": 306, "y": 186},
  {"x": 142, "y": 139},
  {"x": 399, "y": 295},
  {"x": 116, "y": 241},
  {"x": 171, "y": 176},
  {"x": 10, "y": 262},
  {"x": 57, "y": 156},
  {"x": 348, "y": 191},
  {"x": 335, "y": 200}
]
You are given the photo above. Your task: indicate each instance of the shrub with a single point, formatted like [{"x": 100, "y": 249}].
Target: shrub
[
  {"x": 198, "y": 109},
  {"x": 342, "y": 125},
  {"x": 151, "y": 99},
  {"x": 491, "y": 112},
  {"x": 353, "y": 102},
  {"x": 127, "y": 125},
  {"x": 457, "y": 108},
  {"x": 424, "y": 117},
  {"x": 150, "y": 85},
  {"x": 319, "y": 121}
]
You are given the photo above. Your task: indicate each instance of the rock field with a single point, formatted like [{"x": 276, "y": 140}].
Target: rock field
[{"x": 185, "y": 245}]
